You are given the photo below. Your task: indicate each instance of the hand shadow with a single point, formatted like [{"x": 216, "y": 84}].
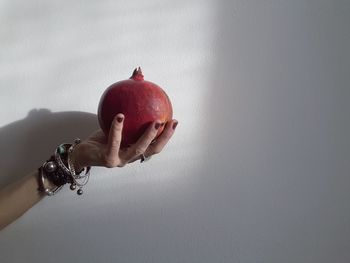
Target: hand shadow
[{"x": 27, "y": 143}]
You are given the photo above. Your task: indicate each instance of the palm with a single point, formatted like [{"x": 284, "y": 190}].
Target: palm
[
  {"x": 98, "y": 137},
  {"x": 99, "y": 150}
]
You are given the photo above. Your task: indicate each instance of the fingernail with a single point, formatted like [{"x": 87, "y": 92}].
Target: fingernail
[
  {"x": 120, "y": 119},
  {"x": 157, "y": 125},
  {"x": 174, "y": 125}
]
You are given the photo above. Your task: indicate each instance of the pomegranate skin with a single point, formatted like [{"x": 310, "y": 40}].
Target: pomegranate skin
[{"x": 142, "y": 102}]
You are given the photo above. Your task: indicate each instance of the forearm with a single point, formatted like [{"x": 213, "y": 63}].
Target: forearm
[{"x": 18, "y": 197}]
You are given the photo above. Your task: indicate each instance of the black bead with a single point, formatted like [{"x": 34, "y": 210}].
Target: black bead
[{"x": 80, "y": 192}]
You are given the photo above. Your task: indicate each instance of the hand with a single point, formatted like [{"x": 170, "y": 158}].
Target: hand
[{"x": 98, "y": 150}]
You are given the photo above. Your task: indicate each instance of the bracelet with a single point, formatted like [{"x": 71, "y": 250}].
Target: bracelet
[
  {"x": 42, "y": 187},
  {"x": 76, "y": 177},
  {"x": 60, "y": 170}
]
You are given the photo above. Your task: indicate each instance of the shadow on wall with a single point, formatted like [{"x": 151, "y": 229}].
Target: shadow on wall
[{"x": 26, "y": 143}]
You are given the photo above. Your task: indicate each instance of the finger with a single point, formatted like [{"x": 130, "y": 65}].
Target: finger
[
  {"x": 163, "y": 139},
  {"x": 115, "y": 137},
  {"x": 143, "y": 142}
]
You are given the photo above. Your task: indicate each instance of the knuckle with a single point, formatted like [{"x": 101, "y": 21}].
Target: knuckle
[
  {"x": 121, "y": 164},
  {"x": 109, "y": 165},
  {"x": 115, "y": 143},
  {"x": 117, "y": 128},
  {"x": 151, "y": 135},
  {"x": 157, "y": 150},
  {"x": 139, "y": 150},
  {"x": 117, "y": 125},
  {"x": 168, "y": 134},
  {"x": 110, "y": 162}
]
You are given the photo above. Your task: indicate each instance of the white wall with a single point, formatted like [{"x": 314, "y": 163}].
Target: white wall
[{"x": 258, "y": 170}]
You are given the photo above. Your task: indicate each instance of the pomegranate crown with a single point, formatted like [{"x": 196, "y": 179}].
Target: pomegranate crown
[{"x": 137, "y": 74}]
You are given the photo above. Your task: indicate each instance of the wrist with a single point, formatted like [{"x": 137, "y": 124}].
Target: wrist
[{"x": 65, "y": 166}]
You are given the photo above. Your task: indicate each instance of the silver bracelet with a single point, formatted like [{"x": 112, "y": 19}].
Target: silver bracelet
[
  {"x": 72, "y": 171},
  {"x": 61, "y": 149},
  {"x": 59, "y": 172},
  {"x": 42, "y": 177}
]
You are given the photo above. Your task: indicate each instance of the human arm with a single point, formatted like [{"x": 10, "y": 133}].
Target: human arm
[
  {"x": 97, "y": 150},
  {"x": 18, "y": 197}
]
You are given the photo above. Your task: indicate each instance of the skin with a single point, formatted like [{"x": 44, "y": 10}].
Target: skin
[{"x": 97, "y": 150}]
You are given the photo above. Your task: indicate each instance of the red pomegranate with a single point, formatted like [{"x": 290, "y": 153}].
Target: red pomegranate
[{"x": 141, "y": 102}]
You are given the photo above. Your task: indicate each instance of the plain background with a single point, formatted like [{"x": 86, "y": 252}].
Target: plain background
[{"x": 258, "y": 170}]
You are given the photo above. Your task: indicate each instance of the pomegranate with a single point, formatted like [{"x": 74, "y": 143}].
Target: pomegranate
[{"x": 141, "y": 102}]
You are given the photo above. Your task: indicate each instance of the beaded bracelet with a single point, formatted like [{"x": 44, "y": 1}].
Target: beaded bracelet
[{"x": 59, "y": 170}]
